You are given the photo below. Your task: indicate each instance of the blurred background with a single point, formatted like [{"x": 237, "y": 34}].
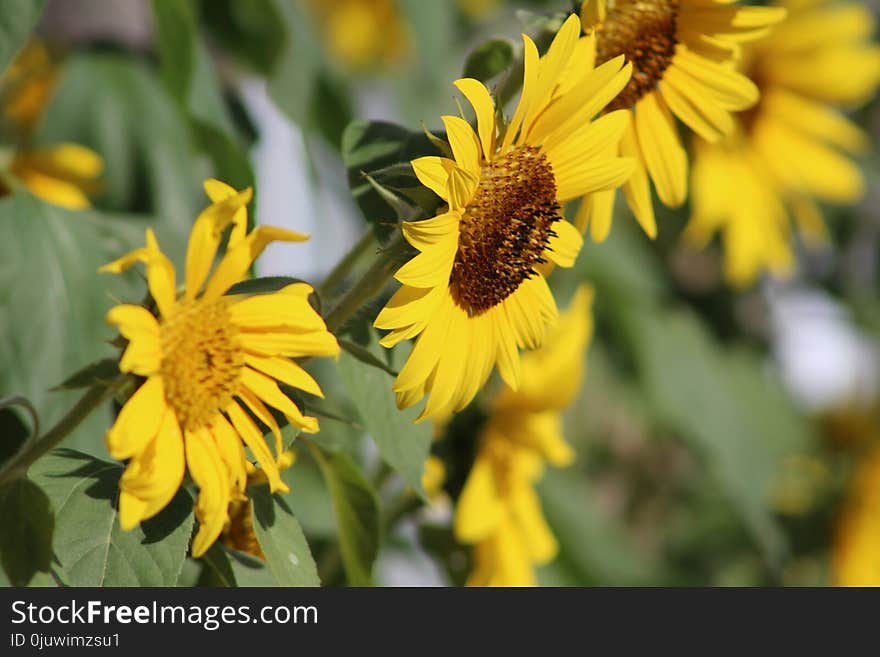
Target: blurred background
[{"x": 723, "y": 437}]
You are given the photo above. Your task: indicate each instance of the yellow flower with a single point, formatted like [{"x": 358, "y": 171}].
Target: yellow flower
[
  {"x": 62, "y": 174},
  {"x": 210, "y": 362},
  {"x": 27, "y": 85},
  {"x": 856, "y": 552},
  {"x": 362, "y": 33},
  {"x": 433, "y": 478},
  {"x": 499, "y": 511},
  {"x": 476, "y": 291},
  {"x": 681, "y": 52},
  {"x": 790, "y": 150}
]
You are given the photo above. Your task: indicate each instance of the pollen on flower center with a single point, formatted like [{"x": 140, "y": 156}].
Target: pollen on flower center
[
  {"x": 201, "y": 361},
  {"x": 644, "y": 31},
  {"x": 504, "y": 230}
]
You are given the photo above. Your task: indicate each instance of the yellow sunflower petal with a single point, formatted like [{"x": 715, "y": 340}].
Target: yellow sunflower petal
[
  {"x": 238, "y": 260},
  {"x": 665, "y": 158},
  {"x": 209, "y": 473},
  {"x": 479, "y": 98}
]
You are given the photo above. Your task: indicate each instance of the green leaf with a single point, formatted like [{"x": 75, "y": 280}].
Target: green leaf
[
  {"x": 292, "y": 83},
  {"x": 371, "y": 146},
  {"x": 90, "y": 546},
  {"x": 189, "y": 75},
  {"x": 265, "y": 285},
  {"x": 593, "y": 544},
  {"x": 357, "y": 514},
  {"x": 403, "y": 445},
  {"x": 287, "y": 553},
  {"x": 233, "y": 568},
  {"x": 101, "y": 371},
  {"x": 26, "y": 539},
  {"x": 252, "y": 31},
  {"x": 365, "y": 356},
  {"x": 724, "y": 403},
  {"x": 489, "y": 59},
  {"x": 18, "y": 18},
  {"x": 53, "y": 303},
  {"x": 150, "y": 164}
]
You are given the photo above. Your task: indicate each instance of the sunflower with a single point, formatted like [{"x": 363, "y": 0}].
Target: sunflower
[
  {"x": 790, "y": 150},
  {"x": 499, "y": 511},
  {"x": 681, "y": 52},
  {"x": 211, "y": 363},
  {"x": 475, "y": 292},
  {"x": 362, "y": 34},
  {"x": 62, "y": 174}
]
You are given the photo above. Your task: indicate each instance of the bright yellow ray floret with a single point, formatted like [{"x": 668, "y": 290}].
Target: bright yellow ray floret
[
  {"x": 212, "y": 363},
  {"x": 476, "y": 293}
]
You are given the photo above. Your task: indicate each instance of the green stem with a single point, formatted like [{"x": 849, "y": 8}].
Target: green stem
[
  {"x": 344, "y": 267},
  {"x": 17, "y": 467},
  {"x": 371, "y": 284}
]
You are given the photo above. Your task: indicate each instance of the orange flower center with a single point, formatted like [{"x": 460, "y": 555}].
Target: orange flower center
[
  {"x": 201, "y": 361},
  {"x": 504, "y": 230},
  {"x": 644, "y": 31}
]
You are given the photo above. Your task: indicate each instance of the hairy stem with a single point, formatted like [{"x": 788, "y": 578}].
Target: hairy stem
[
  {"x": 371, "y": 284},
  {"x": 343, "y": 268}
]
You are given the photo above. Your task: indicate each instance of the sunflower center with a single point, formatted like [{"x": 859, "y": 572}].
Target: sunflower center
[
  {"x": 201, "y": 361},
  {"x": 504, "y": 230},
  {"x": 644, "y": 31}
]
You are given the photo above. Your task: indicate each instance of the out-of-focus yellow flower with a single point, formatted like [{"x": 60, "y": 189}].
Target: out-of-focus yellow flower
[
  {"x": 680, "y": 51},
  {"x": 362, "y": 34},
  {"x": 856, "y": 552},
  {"x": 477, "y": 9},
  {"x": 499, "y": 512},
  {"x": 792, "y": 149},
  {"x": 63, "y": 174},
  {"x": 433, "y": 477},
  {"x": 476, "y": 292},
  {"x": 27, "y": 85},
  {"x": 210, "y": 362}
]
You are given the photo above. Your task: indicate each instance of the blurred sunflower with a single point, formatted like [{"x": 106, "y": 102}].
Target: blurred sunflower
[
  {"x": 499, "y": 511},
  {"x": 475, "y": 293},
  {"x": 790, "y": 150},
  {"x": 362, "y": 34},
  {"x": 681, "y": 52},
  {"x": 63, "y": 174},
  {"x": 210, "y": 362}
]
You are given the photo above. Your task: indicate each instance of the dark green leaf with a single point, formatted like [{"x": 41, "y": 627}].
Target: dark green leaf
[
  {"x": 366, "y": 356},
  {"x": 18, "y": 18},
  {"x": 26, "y": 539},
  {"x": 101, "y": 371},
  {"x": 403, "y": 445},
  {"x": 252, "y": 31},
  {"x": 265, "y": 285},
  {"x": 368, "y": 147},
  {"x": 287, "y": 553},
  {"x": 91, "y": 548},
  {"x": 357, "y": 515},
  {"x": 489, "y": 59}
]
